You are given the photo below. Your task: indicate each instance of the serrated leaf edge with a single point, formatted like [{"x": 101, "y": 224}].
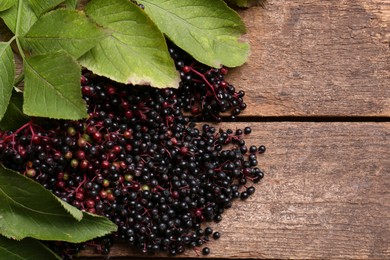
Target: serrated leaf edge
[
  {"x": 132, "y": 79},
  {"x": 32, "y": 113},
  {"x": 236, "y": 36}
]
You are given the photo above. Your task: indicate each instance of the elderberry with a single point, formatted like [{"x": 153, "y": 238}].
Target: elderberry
[{"x": 141, "y": 162}]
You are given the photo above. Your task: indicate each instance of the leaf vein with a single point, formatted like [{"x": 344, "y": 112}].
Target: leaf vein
[
  {"x": 12, "y": 253},
  {"x": 27, "y": 208},
  {"x": 55, "y": 89}
]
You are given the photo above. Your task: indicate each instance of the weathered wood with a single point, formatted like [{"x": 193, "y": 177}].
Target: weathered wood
[
  {"x": 326, "y": 191},
  {"x": 325, "y": 195},
  {"x": 317, "y": 58}
]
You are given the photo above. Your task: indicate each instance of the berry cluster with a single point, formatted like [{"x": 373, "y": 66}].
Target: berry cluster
[
  {"x": 203, "y": 90},
  {"x": 141, "y": 162}
]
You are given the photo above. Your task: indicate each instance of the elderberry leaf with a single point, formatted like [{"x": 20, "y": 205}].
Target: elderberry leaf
[
  {"x": 26, "y": 15},
  {"x": 135, "y": 52},
  {"x": 5, "y": 4},
  {"x": 14, "y": 116},
  {"x": 52, "y": 87},
  {"x": 28, "y": 249},
  {"x": 40, "y": 7},
  {"x": 27, "y": 209},
  {"x": 20, "y": 195},
  {"x": 208, "y": 30},
  {"x": 246, "y": 3},
  {"x": 7, "y": 74},
  {"x": 62, "y": 29}
]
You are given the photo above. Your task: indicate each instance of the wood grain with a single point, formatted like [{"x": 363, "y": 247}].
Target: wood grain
[
  {"x": 326, "y": 192},
  {"x": 325, "y": 195},
  {"x": 317, "y": 58}
]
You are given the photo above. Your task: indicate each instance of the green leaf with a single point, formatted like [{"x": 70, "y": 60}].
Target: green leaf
[
  {"x": 246, "y": 3},
  {"x": 5, "y": 4},
  {"x": 135, "y": 52},
  {"x": 7, "y": 74},
  {"x": 29, "y": 210},
  {"x": 20, "y": 193},
  {"x": 71, "y": 4},
  {"x": 27, "y": 17},
  {"x": 208, "y": 30},
  {"x": 52, "y": 87},
  {"x": 14, "y": 117},
  {"x": 27, "y": 249},
  {"x": 40, "y": 7},
  {"x": 62, "y": 29}
]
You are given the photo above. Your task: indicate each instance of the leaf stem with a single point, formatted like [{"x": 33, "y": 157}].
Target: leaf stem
[
  {"x": 12, "y": 39},
  {"x": 19, "y": 15},
  {"x": 20, "y": 49},
  {"x": 19, "y": 78}
]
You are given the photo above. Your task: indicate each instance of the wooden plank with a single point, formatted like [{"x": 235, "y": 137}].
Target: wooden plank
[
  {"x": 317, "y": 58},
  {"x": 325, "y": 195}
]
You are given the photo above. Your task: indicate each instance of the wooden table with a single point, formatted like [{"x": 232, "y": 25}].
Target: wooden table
[{"x": 318, "y": 94}]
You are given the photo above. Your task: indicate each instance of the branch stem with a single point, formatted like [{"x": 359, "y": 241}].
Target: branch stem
[{"x": 20, "y": 6}]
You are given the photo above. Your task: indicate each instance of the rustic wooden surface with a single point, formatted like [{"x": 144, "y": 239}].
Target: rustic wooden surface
[
  {"x": 325, "y": 195},
  {"x": 318, "y": 58},
  {"x": 318, "y": 94}
]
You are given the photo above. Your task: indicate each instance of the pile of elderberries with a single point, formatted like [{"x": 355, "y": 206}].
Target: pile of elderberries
[{"x": 142, "y": 160}]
